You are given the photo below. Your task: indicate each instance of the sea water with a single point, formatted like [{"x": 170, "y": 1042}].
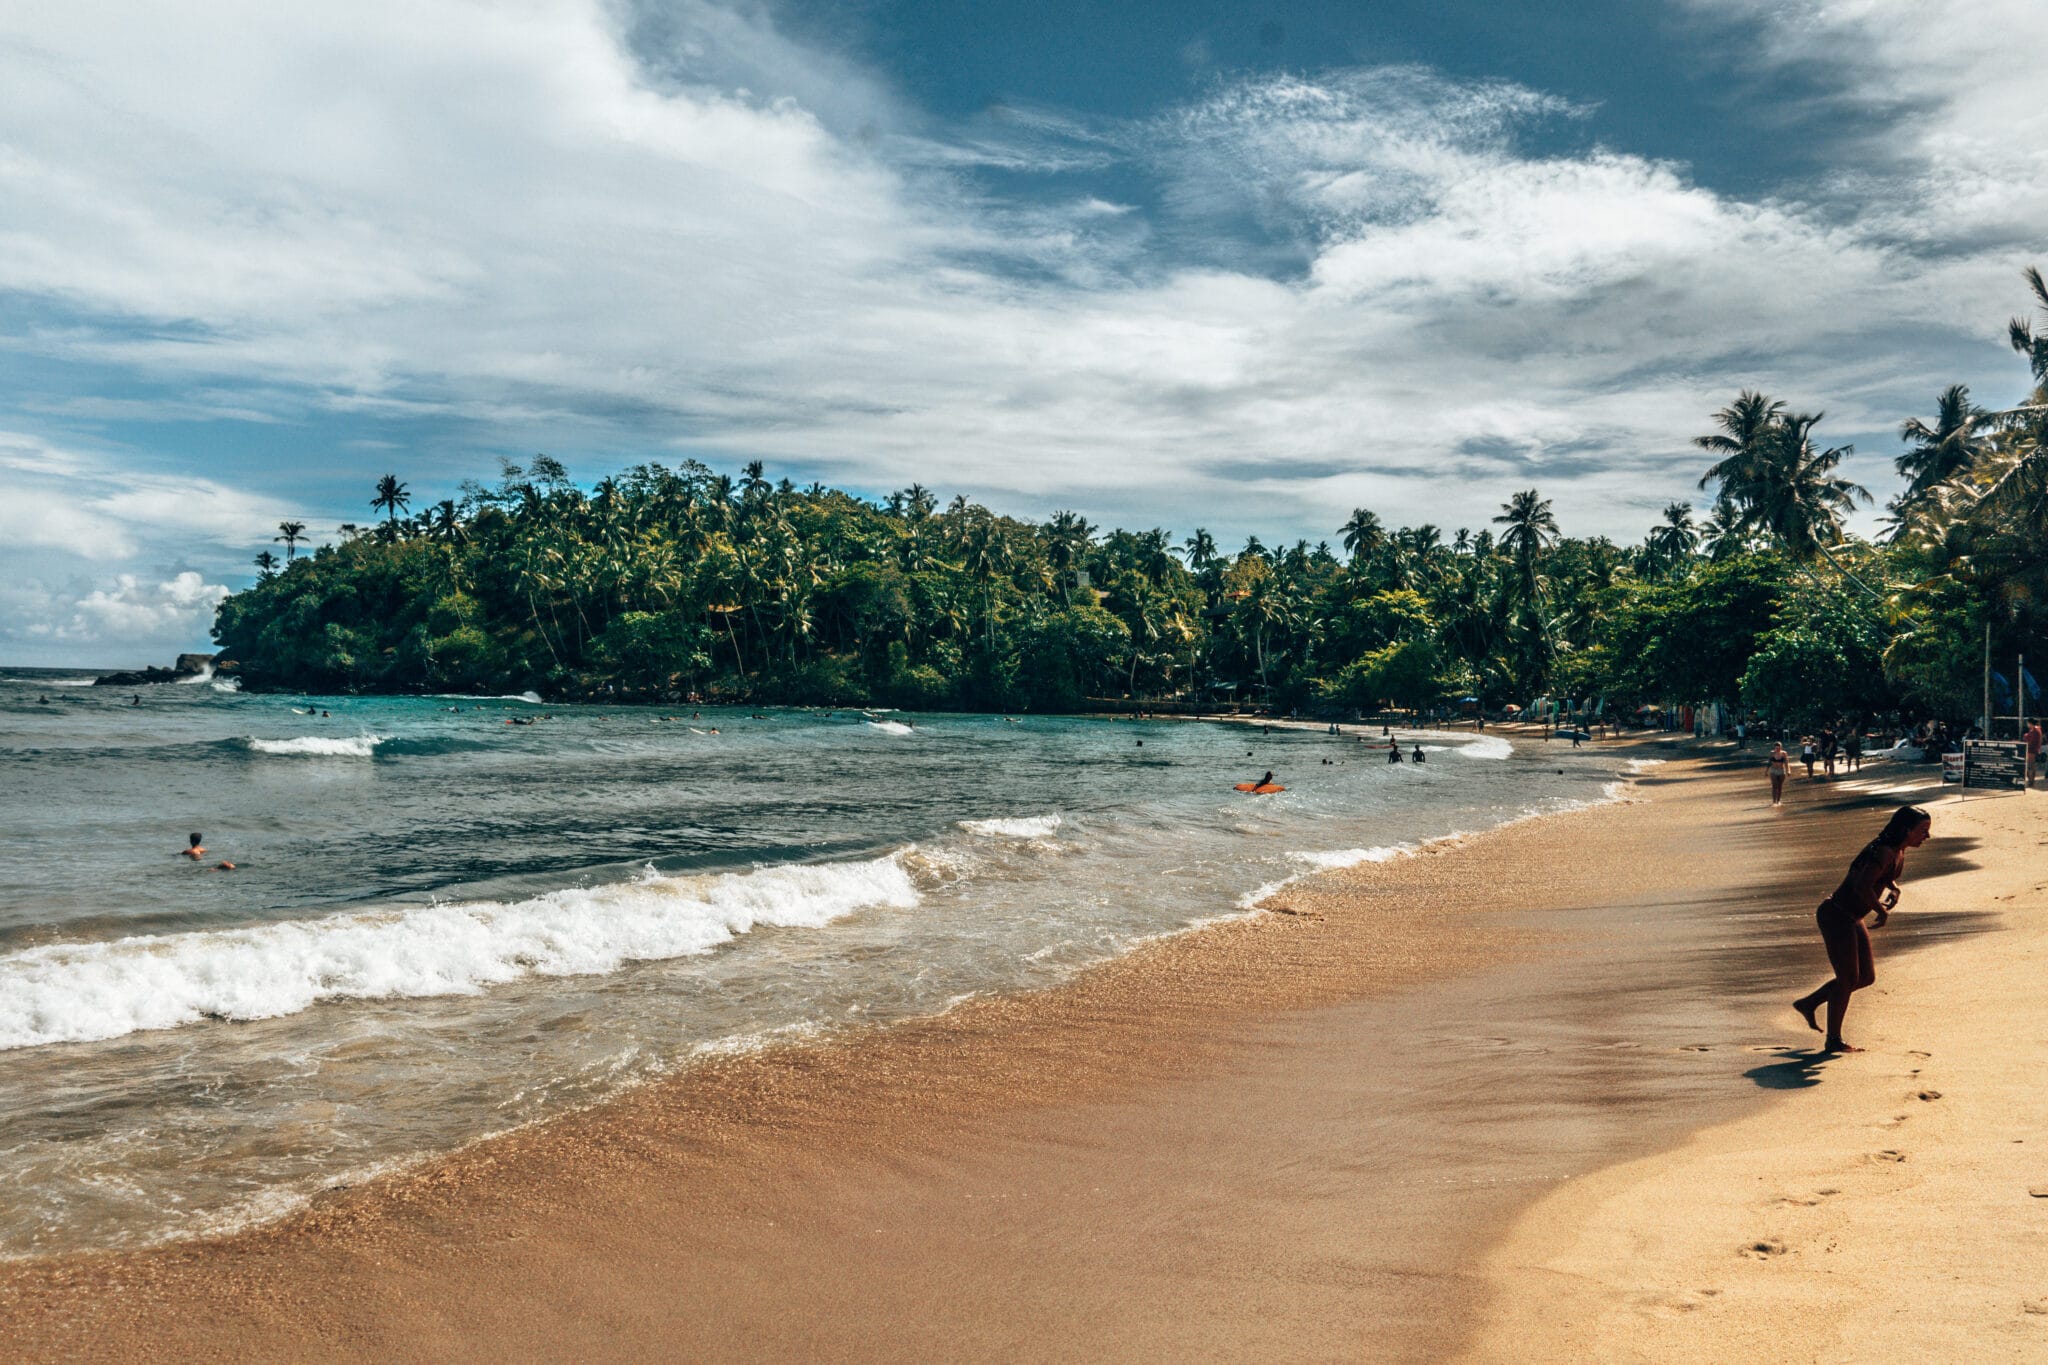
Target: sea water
[{"x": 445, "y": 922}]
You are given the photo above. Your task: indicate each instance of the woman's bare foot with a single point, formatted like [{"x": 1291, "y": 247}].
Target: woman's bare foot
[
  {"x": 1837, "y": 1045},
  {"x": 1806, "y": 1012}
]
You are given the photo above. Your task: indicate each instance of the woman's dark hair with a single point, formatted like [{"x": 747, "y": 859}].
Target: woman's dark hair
[
  {"x": 195, "y": 840},
  {"x": 1904, "y": 821}
]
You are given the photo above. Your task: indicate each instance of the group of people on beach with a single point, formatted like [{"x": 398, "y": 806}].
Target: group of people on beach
[{"x": 1835, "y": 747}]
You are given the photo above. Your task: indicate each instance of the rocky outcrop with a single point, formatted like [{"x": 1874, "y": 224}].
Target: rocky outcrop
[{"x": 187, "y": 666}]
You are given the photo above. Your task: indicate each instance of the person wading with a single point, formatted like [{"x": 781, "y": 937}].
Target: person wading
[{"x": 1870, "y": 888}]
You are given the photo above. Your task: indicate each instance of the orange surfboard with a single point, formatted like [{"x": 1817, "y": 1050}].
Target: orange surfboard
[{"x": 1256, "y": 790}]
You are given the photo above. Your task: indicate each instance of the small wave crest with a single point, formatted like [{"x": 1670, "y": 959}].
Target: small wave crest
[
  {"x": 532, "y": 697},
  {"x": 81, "y": 992},
  {"x": 1486, "y": 746},
  {"x": 890, "y": 727},
  {"x": 1023, "y": 827},
  {"x": 318, "y": 746}
]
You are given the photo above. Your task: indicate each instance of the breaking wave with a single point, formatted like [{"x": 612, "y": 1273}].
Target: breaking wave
[
  {"x": 1023, "y": 827},
  {"x": 81, "y": 992},
  {"x": 319, "y": 746}
]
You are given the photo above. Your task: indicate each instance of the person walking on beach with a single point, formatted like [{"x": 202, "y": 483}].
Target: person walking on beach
[
  {"x": 1870, "y": 888},
  {"x": 1778, "y": 764},
  {"x": 1852, "y": 749},
  {"x": 1807, "y": 755},
  {"x": 2033, "y": 742},
  {"x": 1829, "y": 744}
]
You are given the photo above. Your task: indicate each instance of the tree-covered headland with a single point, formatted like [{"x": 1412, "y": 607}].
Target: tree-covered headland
[{"x": 666, "y": 581}]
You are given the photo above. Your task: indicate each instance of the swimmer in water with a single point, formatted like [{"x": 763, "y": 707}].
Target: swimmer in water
[
  {"x": 195, "y": 850},
  {"x": 1417, "y": 757}
]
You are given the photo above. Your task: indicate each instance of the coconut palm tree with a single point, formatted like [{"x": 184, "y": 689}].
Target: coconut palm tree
[
  {"x": 1943, "y": 449},
  {"x": 291, "y": 533},
  {"x": 1363, "y": 534},
  {"x": 1672, "y": 541},
  {"x": 391, "y": 499},
  {"x": 1794, "y": 495},
  {"x": 1746, "y": 431},
  {"x": 1200, "y": 549},
  {"x": 266, "y": 564},
  {"x": 1531, "y": 529}
]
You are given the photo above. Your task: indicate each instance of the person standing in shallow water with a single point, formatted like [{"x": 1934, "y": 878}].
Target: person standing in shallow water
[{"x": 1870, "y": 888}]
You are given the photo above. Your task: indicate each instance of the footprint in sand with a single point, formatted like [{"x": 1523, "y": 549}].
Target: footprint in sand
[
  {"x": 1764, "y": 1248},
  {"x": 1930, "y": 1094},
  {"x": 2038, "y": 1191},
  {"x": 1892, "y": 1156},
  {"x": 1919, "y": 1054},
  {"x": 1695, "y": 1047},
  {"x": 2036, "y": 1307}
]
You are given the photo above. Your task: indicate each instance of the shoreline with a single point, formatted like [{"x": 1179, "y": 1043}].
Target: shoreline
[{"x": 930, "y": 1107}]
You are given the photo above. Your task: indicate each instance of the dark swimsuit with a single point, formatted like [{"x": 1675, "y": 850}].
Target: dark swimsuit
[{"x": 1840, "y": 916}]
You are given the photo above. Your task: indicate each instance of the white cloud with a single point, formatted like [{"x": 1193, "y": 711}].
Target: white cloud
[{"x": 131, "y": 607}]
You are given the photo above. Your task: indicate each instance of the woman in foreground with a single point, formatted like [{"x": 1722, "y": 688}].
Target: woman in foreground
[{"x": 1871, "y": 888}]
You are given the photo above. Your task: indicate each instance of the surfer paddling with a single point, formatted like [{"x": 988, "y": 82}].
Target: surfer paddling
[{"x": 1870, "y": 888}]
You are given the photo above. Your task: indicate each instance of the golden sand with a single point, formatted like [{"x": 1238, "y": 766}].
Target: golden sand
[{"x": 1885, "y": 1206}]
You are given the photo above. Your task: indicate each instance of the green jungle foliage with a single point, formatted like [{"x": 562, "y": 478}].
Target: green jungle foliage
[{"x": 665, "y": 582}]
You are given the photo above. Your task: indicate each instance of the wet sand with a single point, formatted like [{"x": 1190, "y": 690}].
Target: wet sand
[{"x": 1293, "y": 1136}]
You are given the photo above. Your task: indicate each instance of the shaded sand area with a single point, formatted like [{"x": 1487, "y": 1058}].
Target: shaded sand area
[
  {"x": 1291, "y": 1137},
  {"x": 1891, "y": 1205}
]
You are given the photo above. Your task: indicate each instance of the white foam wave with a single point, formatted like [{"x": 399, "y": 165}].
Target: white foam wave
[
  {"x": 204, "y": 675},
  {"x": 533, "y": 697},
  {"x": 1487, "y": 746},
  {"x": 320, "y": 746},
  {"x": 1024, "y": 827},
  {"x": 890, "y": 727},
  {"x": 229, "y": 685},
  {"x": 1352, "y": 857},
  {"x": 78, "y": 992},
  {"x": 33, "y": 683}
]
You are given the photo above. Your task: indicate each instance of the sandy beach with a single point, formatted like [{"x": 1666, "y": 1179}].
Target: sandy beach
[
  {"x": 1384, "y": 1121},
  {"x": 1884, "y": 1206}
]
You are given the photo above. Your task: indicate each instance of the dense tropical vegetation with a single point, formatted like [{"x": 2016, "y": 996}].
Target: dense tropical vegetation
[{"x": 667, "y": 581}]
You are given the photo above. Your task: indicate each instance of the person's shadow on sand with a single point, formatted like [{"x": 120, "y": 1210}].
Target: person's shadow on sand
[{"x": 1796, "y": 1072}]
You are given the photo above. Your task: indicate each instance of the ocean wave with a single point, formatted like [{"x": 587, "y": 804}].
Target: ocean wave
[
  {"x": 227, "y": 685},
  {"x": 890, "y": 727},
  {"x": 1486, "y": 746},
  {"x": 318, "y": 746},
  {"x": 1023, "y": 827},
  {"x": 533, "y": 698},
  {"x": 204, "y": 675},
  {"x": 82, "y": 992},
  {"x": 1351, "y": 857}
]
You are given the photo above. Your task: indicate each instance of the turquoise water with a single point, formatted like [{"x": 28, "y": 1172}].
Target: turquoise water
[{"x": 442, "y": 925}]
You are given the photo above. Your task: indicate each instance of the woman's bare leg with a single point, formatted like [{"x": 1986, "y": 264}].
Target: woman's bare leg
[{"x": 1849, "y": 955}]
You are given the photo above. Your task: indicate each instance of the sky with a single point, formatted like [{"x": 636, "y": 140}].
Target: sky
[{"x": 1163, "y": 262}]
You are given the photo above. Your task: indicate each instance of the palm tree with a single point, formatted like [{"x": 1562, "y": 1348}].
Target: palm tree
[
  {"x": 1723, "y": 536},
  {"x": 266, "y": 564},
  {"x": 1946, "y": 448},
  {"x": 1531, "y": 529},
  {"x": 1746, "y": 428},
  {"x": 1672, "y": 541},
  {"x": 291, "y": 533},
  {"x": 1200, "y": 548},
  {"x": 391, "y": 499},
  {"x": 1363, "y": 534},
  {"x": 1067, "y": 537},
  {"x": 1796, "y": 498}
]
